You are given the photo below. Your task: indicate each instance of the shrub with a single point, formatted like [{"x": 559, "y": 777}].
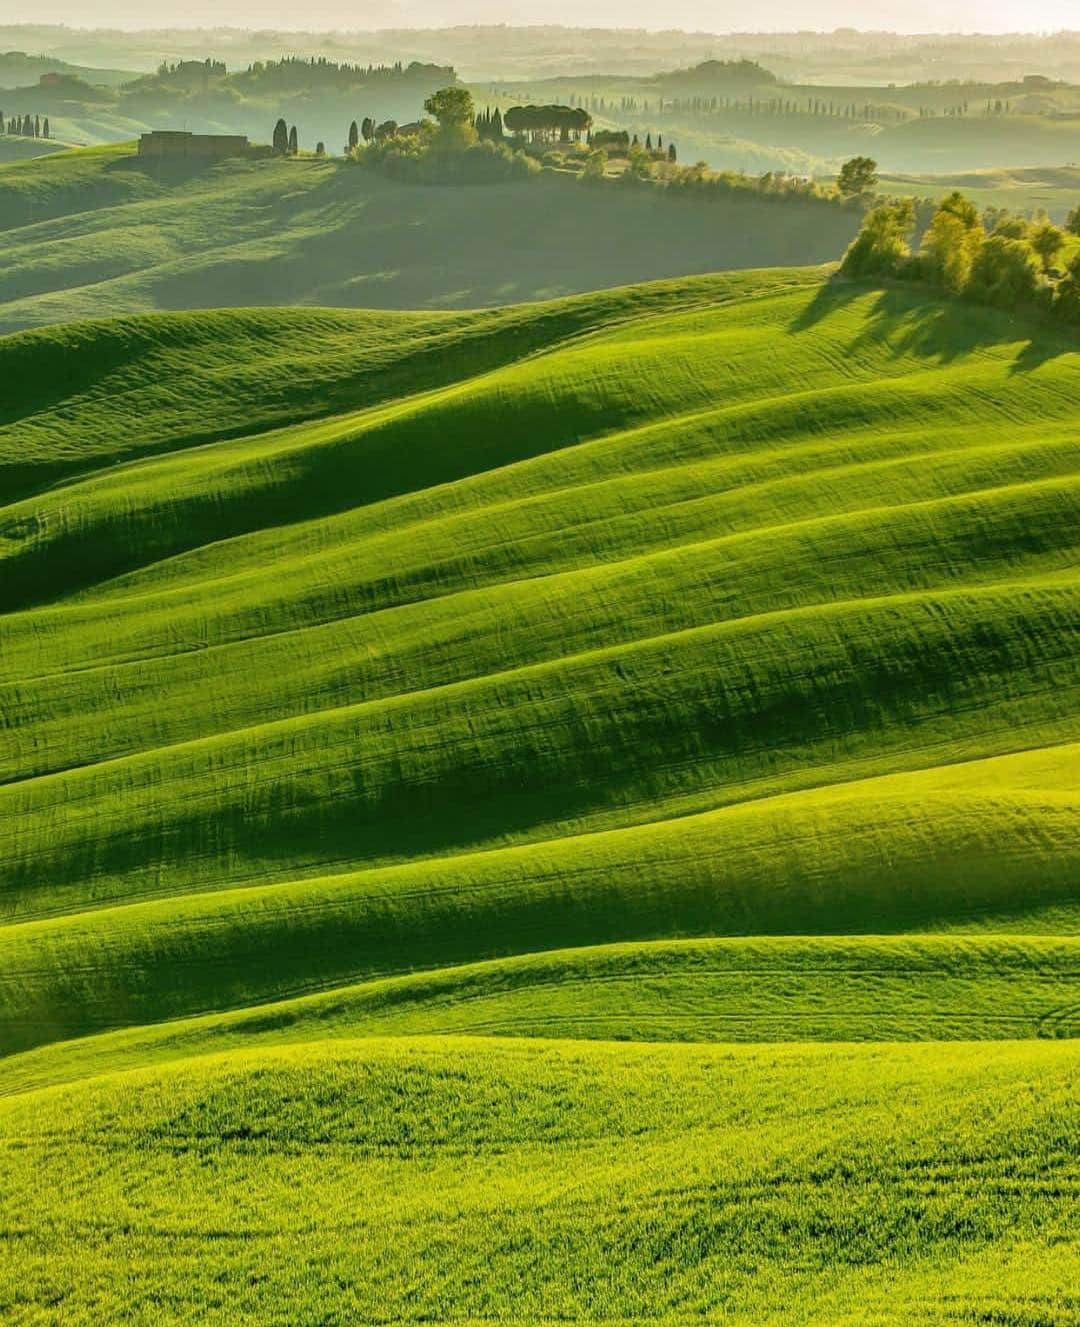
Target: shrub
[
  {"x": 1004, "y": 273},
  {"x": 955, "y": 204},
  {"x": 1067, "y": 303},
  {"x": 950, "y": 244},
  {"x": 638, "y": 164},
  {"x": 415, "y": 157},
  {"x": 595, "y": 165},
  {"x": 1048, "y": 242},
  {"x": 1013, "y": 228},
  {"x": 881, "y": 246}
]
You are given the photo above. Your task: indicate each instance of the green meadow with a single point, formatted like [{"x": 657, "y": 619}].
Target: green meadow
[
  {"x": 97, "y": 232},
  {"x": 561, "y": 812}
]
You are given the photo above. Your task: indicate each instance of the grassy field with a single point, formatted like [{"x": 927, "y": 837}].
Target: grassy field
[
  {"x": 1055, "y": 191},
  {"x": 455, "y": 1181},
  {"x": 555, "y": 813},
  {"x": 98, "y": 232}
]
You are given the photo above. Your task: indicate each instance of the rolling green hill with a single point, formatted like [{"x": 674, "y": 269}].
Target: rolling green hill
[
  {"x": 401, "y": 710},
  {"x": 99, "y": 232}
]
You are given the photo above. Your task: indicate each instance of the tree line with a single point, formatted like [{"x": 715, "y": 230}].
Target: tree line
[
  {"x": 545, "y": 124},
  {"x": 817, "y": 107},
  {"x": 992, "y": 258},
  {"x": 528, "y": 127},
  {"x": 25, "y": 126},
  {"x": 294, "y": 72}
]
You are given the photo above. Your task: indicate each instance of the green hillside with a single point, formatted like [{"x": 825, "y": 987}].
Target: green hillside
[
  {"x": 98, "y": 232},
  {"x": 1053, "y": 190},
  {"x": 554, "y": 813}
]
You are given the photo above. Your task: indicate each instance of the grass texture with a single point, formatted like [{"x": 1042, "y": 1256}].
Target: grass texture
[{"x": 558, "y": 813}]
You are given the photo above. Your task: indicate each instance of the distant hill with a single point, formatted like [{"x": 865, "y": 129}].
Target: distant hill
[
  {"x": 17, "y": 69},
  {"x": 322, "y": 95},
  {"x": 737, "y": 115},
  {"x": 714, "y": 74},
  {"x": 98, "y": 231},
  {"x": 500, "y": 50}
]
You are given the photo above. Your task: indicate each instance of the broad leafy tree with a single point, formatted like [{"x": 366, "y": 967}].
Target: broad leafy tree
[
  {"x": 1047, "y": 241},
  {"x": 857, "y": 176},
  {"x": 455, "y": 113},
  {"x": 881, "y": 246},
  {"x": 1004, "y": 273}
]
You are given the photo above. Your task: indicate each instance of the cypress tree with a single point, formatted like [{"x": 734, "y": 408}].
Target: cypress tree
[
  {"x": 281, "y": 138},
  {"x": 672, "y": 155},
  {"x": 45, "y": 128},
  {"x": 648, "y": 141},
  {"x": 37, "y": 126},
  {"x": 354, "y": 135},
  {"x": 497, "y": 125},
  {"x": 293, "y": 142}
]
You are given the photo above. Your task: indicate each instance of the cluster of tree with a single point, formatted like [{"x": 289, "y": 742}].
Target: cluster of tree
[
  {"x": 611, "y": 140},
  {"x": 548, "y": 124},
  {"x": 285, "y": 140},
  {"x": 773, "y": 185},
  {"x": 489, "y": 125},
  {"x": 1006, "y": 263},
  {"x": 26, "y": 126},
  {"x": 372, "y": 131},
  {"x": 189, "y": 73},
  {"x": 294, "y": 73},
  {"x": 642, "y": 159},
  {"x": 720, "y": 71},
  {"x": 445, "y": 149}
]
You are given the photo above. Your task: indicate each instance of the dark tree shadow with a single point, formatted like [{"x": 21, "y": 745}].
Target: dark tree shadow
[
  {"x": 834, "y": 294},
  {"x": 916, "y": 322}
]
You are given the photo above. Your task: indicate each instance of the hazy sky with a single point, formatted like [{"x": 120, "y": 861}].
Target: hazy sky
[{"x": 707, "y": 15}]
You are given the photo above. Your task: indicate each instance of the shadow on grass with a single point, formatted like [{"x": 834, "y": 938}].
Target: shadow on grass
[
  {"x": 914, "y": 321},
  {"x": 177, "y": 170}
]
